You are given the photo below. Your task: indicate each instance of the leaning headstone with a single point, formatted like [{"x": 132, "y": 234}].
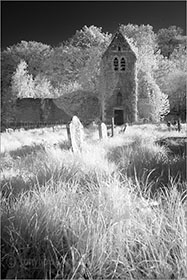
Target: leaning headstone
[
  {"x": 68, "y": 133},
  {"x": 76, "y": 133},
  {"x": 103, "y": 131},
  {"x": 123, "y": 129}
]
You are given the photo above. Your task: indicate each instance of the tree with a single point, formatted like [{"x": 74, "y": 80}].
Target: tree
[
  {"x": 8, "y": 66},
  {"x": 93, "y": 42},
  {"x": 179, "y": 58},
  {"x": 152, "y": 102},
  {"x": 89, "y": 76},
  {"x": 77, "y": 60},
  {"x": 22, "y": 82},
  {"x": 33, "y": 53},
  {"x": 169, "y": 39},
  {"x": 171, "y": 76},
  {"x": 43, "y": 87},
  {"x": 164, "y": 68},
  {"x": 24, "y": 85},
  {"x": 89, "y": 37},
  {"x": 7, "y": 106},
  {"x": 144, "y": 40},
  {"x": 64, "y": 65},
  {"x": 176, "y": 90},
  {"x": 159, "y": 101}
]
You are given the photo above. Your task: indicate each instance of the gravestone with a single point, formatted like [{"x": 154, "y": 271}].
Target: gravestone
[
  {"x": 112, "y": 127},
  {"x": 68, "y": 133},
  {"x": 76, "y": 134},
  {"x": 103, "y": 131},
  {"x": 123, "y": 129}
]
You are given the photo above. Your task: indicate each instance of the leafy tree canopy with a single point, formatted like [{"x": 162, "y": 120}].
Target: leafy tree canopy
[
  {"x": 33, "y": 53},
  {"x": 169, "y": 39},
  {"x": 90, "y": 37},
  {"x": 144, "y": 39}
]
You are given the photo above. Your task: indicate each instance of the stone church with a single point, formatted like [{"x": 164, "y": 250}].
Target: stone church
[
  {"x": 117, "y": 93},
  {"x": 118, "y": 86}
]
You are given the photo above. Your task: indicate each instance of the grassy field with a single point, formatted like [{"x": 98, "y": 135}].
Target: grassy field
[{"x": 117, "y": 211}]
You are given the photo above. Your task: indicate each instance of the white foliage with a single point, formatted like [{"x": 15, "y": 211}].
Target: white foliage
[
  {"x": 22, "y": 82},
  {"x": 43, "y": 87},
  {"x": 158, "y": 100}
]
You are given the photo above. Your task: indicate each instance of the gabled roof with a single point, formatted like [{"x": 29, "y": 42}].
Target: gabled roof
[{"x": 118, "y": 36}]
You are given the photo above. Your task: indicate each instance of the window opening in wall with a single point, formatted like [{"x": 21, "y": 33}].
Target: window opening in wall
[
  {"x": 123, "y": 64},
  {"x": 116, "y": 64},
  {"x": 119, "y": 49},
  {"x": 119, "y": 99}
]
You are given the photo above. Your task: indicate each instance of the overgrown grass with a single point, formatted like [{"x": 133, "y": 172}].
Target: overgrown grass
[
  {"x": 93, "y": 215},
  {"x": 145, "y": 160},
  {"x": 18, "y": 139}
]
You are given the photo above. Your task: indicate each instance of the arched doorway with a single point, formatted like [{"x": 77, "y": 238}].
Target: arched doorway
[{"x": 118, "y": 117}]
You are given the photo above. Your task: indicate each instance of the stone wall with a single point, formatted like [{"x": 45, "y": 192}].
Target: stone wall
[
  {"x": 84, "y": 105},
  {"x": 28, "y": 110},
  {"x": 38, "y": 110}
]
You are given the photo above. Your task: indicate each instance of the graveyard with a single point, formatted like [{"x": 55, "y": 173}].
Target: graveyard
[
  {"x": 93, "y": 140},
  {"x": 91, "y": 203}
]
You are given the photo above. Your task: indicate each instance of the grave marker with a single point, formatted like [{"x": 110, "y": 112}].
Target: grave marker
[
  {"x": 103, "y": 131},
  {"x": 76, "y": 133},
  {"x": 68, "y": 133},
  {"x": 112, "y": 126}
]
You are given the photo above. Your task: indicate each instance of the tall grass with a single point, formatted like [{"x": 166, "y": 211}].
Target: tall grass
[
  {"x": 92, "y": 215},
  {"x": 17, "y": 139},
  {"x": 139, "y": 156},
  {"x": 110, "y": 233}
]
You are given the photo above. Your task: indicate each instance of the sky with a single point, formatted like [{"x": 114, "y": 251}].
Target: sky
[{"x": 52, "y": 22}]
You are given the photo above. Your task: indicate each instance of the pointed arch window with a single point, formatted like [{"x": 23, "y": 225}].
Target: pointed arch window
[
  {"x": 116, "y": 64},
  {"x": 119, "y": 99},
  {"x": 122, "y": 64}
]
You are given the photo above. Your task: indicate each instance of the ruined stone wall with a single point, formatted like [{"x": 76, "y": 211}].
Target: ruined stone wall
[
  {"x": 84, "y": 105},
  {"x": 28, "y": 110},
  {"x": 38, "y": 110}
]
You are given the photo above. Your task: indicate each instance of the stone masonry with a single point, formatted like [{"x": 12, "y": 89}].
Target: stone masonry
[
  {"x": 118, "y": 82},
  {"x": 37, "y": 110}
]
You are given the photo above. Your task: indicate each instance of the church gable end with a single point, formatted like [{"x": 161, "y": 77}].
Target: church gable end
[{"x": 119, "y": 44}]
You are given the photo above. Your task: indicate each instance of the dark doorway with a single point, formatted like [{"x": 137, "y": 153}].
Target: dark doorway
[{"x": 118, "y": 117}]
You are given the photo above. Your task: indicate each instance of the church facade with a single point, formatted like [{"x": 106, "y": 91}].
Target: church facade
[
  {"x": 118, "y": 82},
  {"x": 116, "y": 97}
]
